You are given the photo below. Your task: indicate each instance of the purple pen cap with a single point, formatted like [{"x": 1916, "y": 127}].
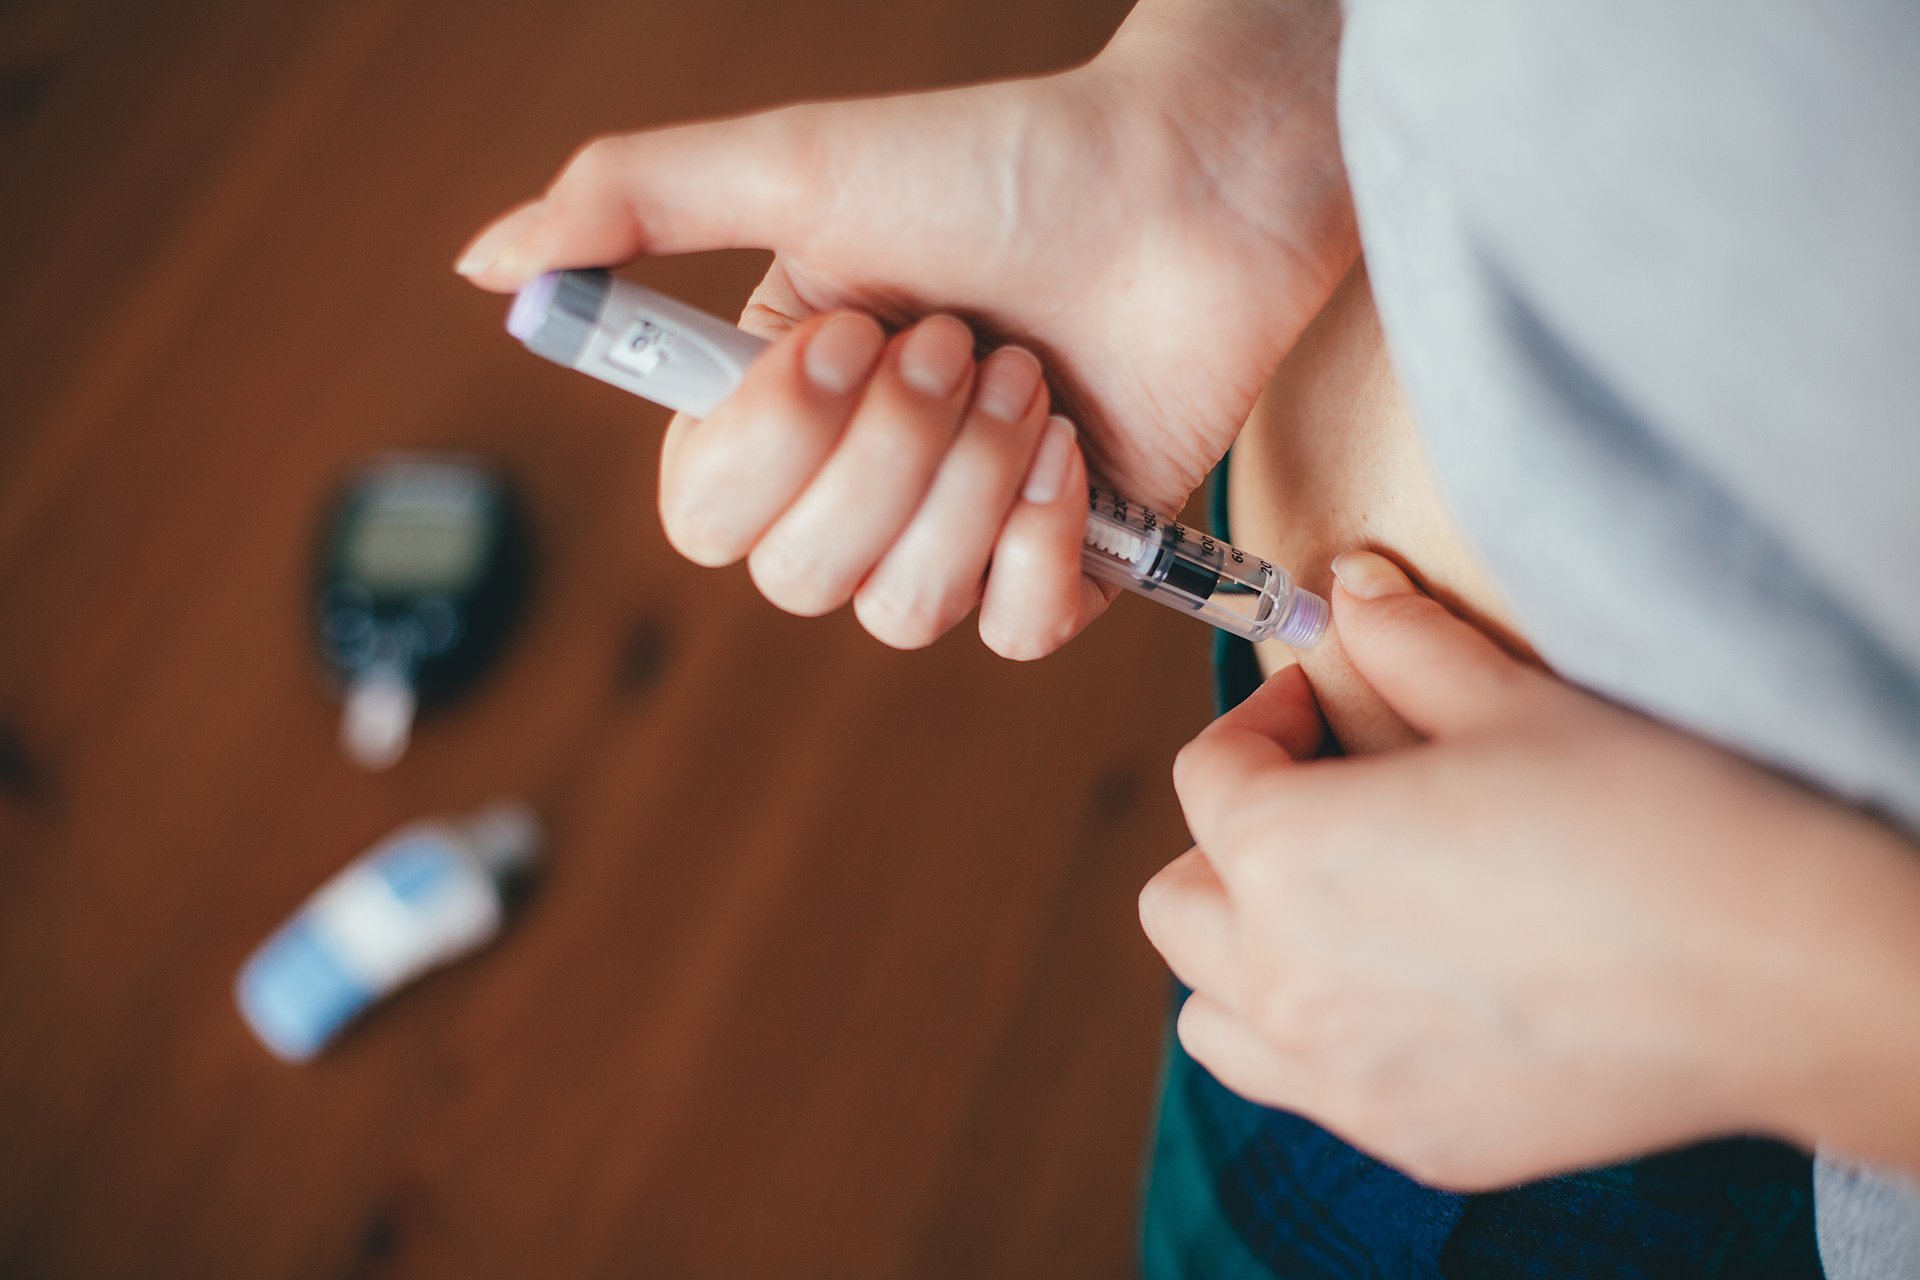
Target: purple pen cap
[
  {"x": 557, "y": 313},
  {"x": 1305, "y": 620}
]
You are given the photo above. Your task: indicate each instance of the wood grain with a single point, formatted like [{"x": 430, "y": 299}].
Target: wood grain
[{"x": 835, "y": 970}]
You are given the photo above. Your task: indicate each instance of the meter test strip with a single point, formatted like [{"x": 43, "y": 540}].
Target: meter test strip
[{"x": 689, "y": 361}]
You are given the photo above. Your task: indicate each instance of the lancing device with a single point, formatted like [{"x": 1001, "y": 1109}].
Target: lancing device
[{"x": 689, "y": 361}]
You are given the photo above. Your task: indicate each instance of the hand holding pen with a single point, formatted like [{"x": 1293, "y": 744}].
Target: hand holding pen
[
  {"x": 846, "y": 465},
  {"x": 1050, "y": 210},
  {"x": 698, "y": 365}
]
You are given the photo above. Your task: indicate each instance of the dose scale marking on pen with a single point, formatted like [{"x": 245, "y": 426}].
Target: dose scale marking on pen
[{"x": 689, "y": 361}]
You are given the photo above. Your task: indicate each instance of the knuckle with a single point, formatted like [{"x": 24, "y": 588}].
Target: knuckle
[
  {"x": 1158, "y": 901},
  {"x": 794, "y": 153},
  {"x": 1192, "y": 1027},
  {"x": 595, "y": 162},
  {"x": 1189, "y": 766},
  {"x": 1027, "y": 640},
  {"x": 1244, "y": 822},
  {"x": 695, "y": 529},
  {"x": 903, "y": 622},
  {"x": 1302, "y": 1014},
  {"x": 792, "y": 580},
  {"x": 702, "y": 545},
  {"x": 1152, "y": 906}
]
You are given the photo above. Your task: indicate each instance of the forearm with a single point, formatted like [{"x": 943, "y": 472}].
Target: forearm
[{"x": 1836, "y": 1010}]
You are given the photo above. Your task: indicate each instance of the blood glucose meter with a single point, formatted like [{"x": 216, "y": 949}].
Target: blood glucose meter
[{"x": 423, "y": 572}]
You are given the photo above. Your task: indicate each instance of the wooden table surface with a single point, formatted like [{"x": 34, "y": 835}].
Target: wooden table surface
[{"x": 835, "y": 971}]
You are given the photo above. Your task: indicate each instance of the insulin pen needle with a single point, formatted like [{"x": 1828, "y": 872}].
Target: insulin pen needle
[{"x": 689, "y": 361}]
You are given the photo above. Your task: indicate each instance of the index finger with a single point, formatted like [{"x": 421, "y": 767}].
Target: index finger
[
  {"x": 1277, "y": 725},
  {"x": 775, "y": 310},
  {"x": 724, "y": 484}
]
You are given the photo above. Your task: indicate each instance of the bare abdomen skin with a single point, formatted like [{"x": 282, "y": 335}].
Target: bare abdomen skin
[{"x": 1332, "y": 460}]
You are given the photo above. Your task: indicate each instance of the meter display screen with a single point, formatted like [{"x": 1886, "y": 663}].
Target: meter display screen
[{"x": 416, "y": 551}]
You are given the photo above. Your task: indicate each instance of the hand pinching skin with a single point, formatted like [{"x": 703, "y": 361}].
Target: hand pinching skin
[{"x": 1471, "y": 958}]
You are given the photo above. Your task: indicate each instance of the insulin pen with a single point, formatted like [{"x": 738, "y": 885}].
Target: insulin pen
[{"x": 689, "y": 361}]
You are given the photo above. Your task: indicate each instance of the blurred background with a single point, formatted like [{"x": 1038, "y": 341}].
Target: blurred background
[{"x": 834, "y": 970}]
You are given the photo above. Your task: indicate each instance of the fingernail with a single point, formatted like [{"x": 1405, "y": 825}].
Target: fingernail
[
  {"x": 1369, "y": 576},
  {"x": 1007, "y": 383},
  {"x": 842, "y": 352},
  {"x": 1048, "y": 474},
  {"x": 488, "y": 249},
  {"x": 935, "y": 356}
]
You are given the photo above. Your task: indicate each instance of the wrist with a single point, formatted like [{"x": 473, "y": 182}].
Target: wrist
[
  {"x": 1242, "y": 95},
  {"x": 1835, "y": 1048},
  {"x": 1198, "y": 43}
]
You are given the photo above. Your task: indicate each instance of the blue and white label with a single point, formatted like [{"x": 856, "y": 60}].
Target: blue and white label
[{"x": 412, "y": 903}]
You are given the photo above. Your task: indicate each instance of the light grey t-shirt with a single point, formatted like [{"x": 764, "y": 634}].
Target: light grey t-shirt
[{"x": 1650, "y": 271}]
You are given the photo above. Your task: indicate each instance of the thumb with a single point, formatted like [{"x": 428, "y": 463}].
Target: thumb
[
  {"x": 721, "y": 184},
  {"x": 1438, "y": 673},
  {"x": 1234, "y": 758}
]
